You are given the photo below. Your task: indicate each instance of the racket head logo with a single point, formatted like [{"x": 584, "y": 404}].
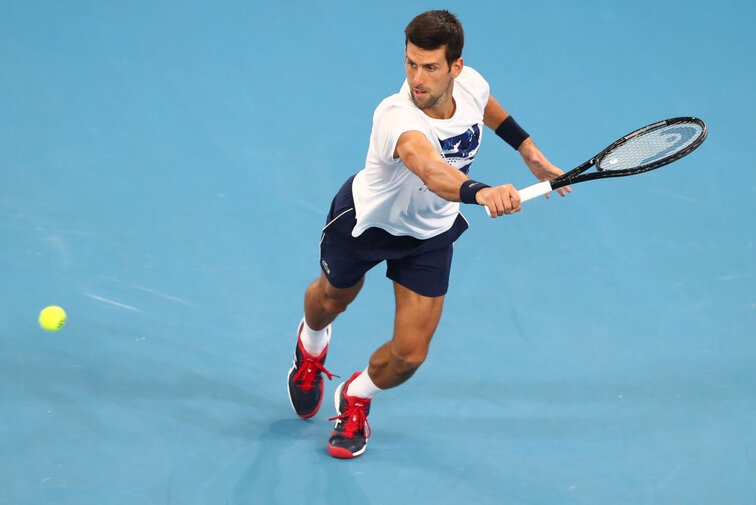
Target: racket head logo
[
  {"x": 673, "y": 138},
  {"x": 670, "y": 141}
]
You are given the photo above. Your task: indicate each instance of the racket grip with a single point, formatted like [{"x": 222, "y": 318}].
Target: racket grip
[
  {"x": 534, "y": 191},
  {"x": 530, "y": 192}
]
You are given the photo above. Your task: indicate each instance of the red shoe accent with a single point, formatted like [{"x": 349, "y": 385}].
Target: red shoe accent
[
  {"x": 354, "y": 417},
  {"x": 349, "y": 436},
  {"x": 341, "y": 453},
  {"x": 310, "y": 367}
]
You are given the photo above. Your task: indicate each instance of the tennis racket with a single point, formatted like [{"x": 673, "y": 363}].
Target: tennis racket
[{"x": 645, "y": 149}]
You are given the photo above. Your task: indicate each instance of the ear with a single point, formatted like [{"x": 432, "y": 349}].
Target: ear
[{"x": 456, "y": 67}]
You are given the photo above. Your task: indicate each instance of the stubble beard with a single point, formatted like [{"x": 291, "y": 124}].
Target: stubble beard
[{"x": 431, "y": 100}]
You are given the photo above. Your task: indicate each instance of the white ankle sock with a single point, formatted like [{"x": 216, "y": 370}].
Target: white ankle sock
[
  {"x": 362, "y": 386},
  {"x": 314, "y": 342}
]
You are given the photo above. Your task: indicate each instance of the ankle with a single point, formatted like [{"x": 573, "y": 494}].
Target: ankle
[
  {"x": 314, "y": 341},
  {"x": 362, "y": 386}
]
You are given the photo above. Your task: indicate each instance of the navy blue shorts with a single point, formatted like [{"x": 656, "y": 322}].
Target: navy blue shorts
[{"x": 422, "y": 266}]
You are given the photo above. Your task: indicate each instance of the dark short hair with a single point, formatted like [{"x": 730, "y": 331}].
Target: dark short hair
[{"x": 433, "y": 29}]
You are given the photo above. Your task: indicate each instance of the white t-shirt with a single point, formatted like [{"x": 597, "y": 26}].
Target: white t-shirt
[{"x": 386, "y": 193}]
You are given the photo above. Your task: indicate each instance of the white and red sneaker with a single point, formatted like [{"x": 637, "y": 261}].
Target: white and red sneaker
[
  {"x": 351, "y": 432},
  {"x": 306, "y": 379}
]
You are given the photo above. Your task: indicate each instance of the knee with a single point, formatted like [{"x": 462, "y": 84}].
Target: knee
[
  {"x": 333, "y": 304},
  {"x": 331, "y": 299},
  {"x": 319, "y": 294}
]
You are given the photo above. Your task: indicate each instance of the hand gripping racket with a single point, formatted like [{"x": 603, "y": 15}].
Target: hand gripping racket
[{"x": 650, "y": 147}]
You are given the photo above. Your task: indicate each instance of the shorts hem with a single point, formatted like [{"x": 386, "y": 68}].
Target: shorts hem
[{"x": 420, "y": 291}]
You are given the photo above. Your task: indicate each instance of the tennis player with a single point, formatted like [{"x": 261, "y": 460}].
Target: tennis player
[{"x": 403, "y": 208}]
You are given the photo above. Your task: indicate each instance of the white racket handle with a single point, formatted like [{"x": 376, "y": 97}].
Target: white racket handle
[
  {"x": 530, "y": 192},
  {"x": 534, "y": 191}
]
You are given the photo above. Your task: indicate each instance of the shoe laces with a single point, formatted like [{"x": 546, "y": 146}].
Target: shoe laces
[
  {"x": 309, "y": 371},
  {"x": 353, "y": 419}
]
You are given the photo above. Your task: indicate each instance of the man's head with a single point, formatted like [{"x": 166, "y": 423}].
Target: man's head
[
  {"x": 434, "y": 41},
  {"x": 433, "y": 29}
]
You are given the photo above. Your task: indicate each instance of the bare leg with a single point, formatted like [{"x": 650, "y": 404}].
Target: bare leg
[
  {"x": 416, "y": 320},
  {"x": 323, "y": 302}
]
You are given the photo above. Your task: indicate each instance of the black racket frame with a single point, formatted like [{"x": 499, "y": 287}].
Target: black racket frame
[{"x": 576, "y": 174}]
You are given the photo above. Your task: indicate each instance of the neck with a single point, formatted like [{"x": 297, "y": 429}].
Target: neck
[{"x": 445, "y": 107}]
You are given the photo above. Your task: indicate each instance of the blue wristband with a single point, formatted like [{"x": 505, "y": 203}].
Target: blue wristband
[
  {"x": 469, "y": 189},
  {"x": 512, "y": 133}
]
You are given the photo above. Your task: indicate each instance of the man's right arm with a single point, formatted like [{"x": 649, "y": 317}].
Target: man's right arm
[{"x": 417, "y": 154}]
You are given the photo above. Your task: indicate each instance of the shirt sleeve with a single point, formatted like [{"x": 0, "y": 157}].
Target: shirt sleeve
[
  {"x": 477, "y": 86},
  {"x": 390, "y": 124}
]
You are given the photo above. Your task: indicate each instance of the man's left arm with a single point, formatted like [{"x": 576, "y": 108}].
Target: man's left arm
[{"x": 499, "y": 120}]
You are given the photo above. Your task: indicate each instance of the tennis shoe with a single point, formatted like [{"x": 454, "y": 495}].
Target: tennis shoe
[
  {"x": 351, "y": 432},
  {"x": 306, "y": 379}
]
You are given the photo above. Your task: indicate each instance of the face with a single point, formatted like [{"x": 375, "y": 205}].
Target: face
[{"x": 431, "y": 78}]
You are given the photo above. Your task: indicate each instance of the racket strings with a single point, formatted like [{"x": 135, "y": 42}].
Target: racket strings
[{"x": 651, "y": 146}]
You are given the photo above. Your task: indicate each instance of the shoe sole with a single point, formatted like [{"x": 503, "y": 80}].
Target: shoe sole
[{"x": 340, "y": 452}]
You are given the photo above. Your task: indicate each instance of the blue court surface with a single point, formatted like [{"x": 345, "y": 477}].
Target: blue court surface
[{"x": 165, "y": 171}]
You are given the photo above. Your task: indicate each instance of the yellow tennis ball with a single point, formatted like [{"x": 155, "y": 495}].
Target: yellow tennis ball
[{"x": 52, "y": 318}]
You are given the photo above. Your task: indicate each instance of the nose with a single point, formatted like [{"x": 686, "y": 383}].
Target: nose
[{"x": 416, "y": 77}]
